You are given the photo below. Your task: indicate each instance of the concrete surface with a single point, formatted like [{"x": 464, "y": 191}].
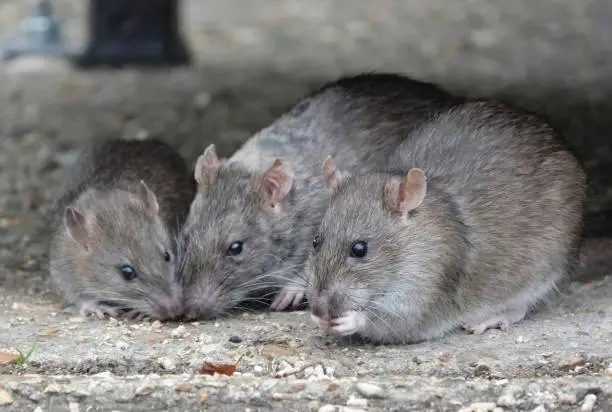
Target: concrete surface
[{"x": 254, "y": 58}]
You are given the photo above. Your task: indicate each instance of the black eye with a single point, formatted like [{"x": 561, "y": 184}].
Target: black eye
[
  {"x": 167, "y": 257},
  {"x": 359, "y": 249},
  {"x": 235, "y": 249},
  {"x": 316, "y": 242},
  {"x": 128, "y": 272}
]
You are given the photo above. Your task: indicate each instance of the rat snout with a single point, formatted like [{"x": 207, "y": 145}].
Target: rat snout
[
  {"x": 327, "y": 304},
  {"x": 203, "y": 303},
  {"x": 170, "y": 309}
]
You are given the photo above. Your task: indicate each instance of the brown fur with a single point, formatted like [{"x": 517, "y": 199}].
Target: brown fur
[
  {"x": 122, "y": 204},
  {"x": 494, "y": 231},
  {"x": 359, "y": 120}
]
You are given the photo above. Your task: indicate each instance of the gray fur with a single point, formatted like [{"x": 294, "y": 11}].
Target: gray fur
[
  {"x": 359, "y": 120},
  {"x": 104, "y": 186},
  {"x": 498, "y": 229}
]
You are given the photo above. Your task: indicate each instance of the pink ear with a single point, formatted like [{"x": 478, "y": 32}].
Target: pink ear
[
  {"x": 77, "y": 226},
  {"x": 411, "y": 191},
  {"x": 148, "y": 198},
  {"x": 332, "y": 176},
  {"x": 276, "y": 182},
  {"x": 207, "y": 166}
]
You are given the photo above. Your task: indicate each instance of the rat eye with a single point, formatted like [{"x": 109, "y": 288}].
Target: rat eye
[
  {"x": 167, "y": 256},
  {"x": 128, "y": 272},
  {"x": 235, "y": 249},
  {"x": 316, "y": 242},
  {"x": 359, "y": 249}
]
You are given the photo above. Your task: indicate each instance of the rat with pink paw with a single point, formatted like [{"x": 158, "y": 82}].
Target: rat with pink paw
[{"x": 472, "y": 222}]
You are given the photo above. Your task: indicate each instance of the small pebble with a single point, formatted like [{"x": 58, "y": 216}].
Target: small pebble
[
  {"x": 156, "y": 324},
  {"x": 369, "y": 390},
  {"x": 359, "y": 402},
  {"x": 179, "y": 332},
  {"x": 235, "y": 339},
  {"x": 167, "y": 363},
  {"x": 568, "y": 398},
  {"x": 73, "y": 407},
  {"x": 589, "y": 403},
  {"x": 539, "y": 408},
  {"x": 479, "y": 407},
  {"x": 506, "y": 400},
  {"x": 328, "y": 408},
  {"x": 5, "y": 398}
]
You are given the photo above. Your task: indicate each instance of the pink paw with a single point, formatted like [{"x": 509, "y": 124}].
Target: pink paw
[
  {"x": 288, "y": 296},
  {"x": 349, "y": 323},
  {"x": 92, "y": 308},
  {"x": 501, "y": 322}
]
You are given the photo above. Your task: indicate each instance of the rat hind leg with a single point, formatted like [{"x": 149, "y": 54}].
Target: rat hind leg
[{"x": 498, "y": 321}]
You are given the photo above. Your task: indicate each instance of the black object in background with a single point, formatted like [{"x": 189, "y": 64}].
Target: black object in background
[{"x": 134, "y": 33}]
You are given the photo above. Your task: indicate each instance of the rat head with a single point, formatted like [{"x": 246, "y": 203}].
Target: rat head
[
  {"x": 237, "y": 232},
  {"x": 124, "y": 252},
  {"x": 374, "y": 247}
]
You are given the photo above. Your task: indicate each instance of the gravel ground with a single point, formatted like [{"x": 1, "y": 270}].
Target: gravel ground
[{"x": 253, "y": 59}]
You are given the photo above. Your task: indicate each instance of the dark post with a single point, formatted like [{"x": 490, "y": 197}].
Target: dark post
[{"x": 134, "y": 32}]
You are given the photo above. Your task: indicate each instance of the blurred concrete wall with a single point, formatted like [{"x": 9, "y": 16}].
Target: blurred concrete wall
[{"x": 256, "y": 56}]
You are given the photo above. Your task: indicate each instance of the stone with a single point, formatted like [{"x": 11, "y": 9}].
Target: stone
[
  {"x": 369, "y": 390},
  {"x": 5, "y": 398}
]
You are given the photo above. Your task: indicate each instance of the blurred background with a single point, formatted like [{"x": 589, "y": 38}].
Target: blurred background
[{"x": 251, "y": 59}]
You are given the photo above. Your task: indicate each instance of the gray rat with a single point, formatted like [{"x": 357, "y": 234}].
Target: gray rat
[
  {"x": 116, "y": 221},
  {"x": 251, "y": 223},
  {"x": 473, "y": 222}
]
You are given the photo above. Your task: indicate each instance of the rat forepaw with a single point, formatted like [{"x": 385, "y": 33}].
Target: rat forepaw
[
  {"x": 349, "y": 323},
  {"x": 288, "y": 296},
  {"x": 93, "y": 308}
]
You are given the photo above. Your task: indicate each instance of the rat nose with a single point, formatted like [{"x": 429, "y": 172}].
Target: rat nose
[
  {"x": 319, "y": 305},
  {"x": 193, "y": 310},
  {"x": 327, "y": 304},
  {"x": 171, "y": 310}
]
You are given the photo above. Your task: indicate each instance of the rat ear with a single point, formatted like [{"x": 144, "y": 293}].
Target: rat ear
[
  {"x": 410, "y": 192},
  {"x": 332, "y": 176},
  {"x": 149, "y": 198},
  {"x": 207, "y": 167},
  {"x": 276, "y": 182},
  {"x": 76, "y": 226}
]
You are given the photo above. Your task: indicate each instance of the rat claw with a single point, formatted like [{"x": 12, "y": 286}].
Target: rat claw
[
  {"x": 298, "y": 298},
  {"x": 289, "y": 296},
  {"x": 323, "y": 324},
  {"x": 98, "y": 310},
  {"x": 501, "y": 322}
]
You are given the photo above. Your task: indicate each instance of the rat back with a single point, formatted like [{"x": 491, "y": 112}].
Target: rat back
[
  {"x": 122, "y": 164},
  {"x": 359, "y": 120},
  {"x": 518, "y": 193}
]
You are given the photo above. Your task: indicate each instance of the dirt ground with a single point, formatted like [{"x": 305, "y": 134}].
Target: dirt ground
[{"x": 252, "y": 60}]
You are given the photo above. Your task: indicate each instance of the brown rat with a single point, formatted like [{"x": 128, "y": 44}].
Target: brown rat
[
  {"x": 474, "y": 220},
  {"x": 115, "y": 226},
  {"x": 251, "y": 223}
]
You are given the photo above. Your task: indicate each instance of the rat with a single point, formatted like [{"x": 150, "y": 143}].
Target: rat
[
  {"x": 473, "y": 223},
  {"x": 251, "y": 223},
  {"x": 116, "y": 222}
]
